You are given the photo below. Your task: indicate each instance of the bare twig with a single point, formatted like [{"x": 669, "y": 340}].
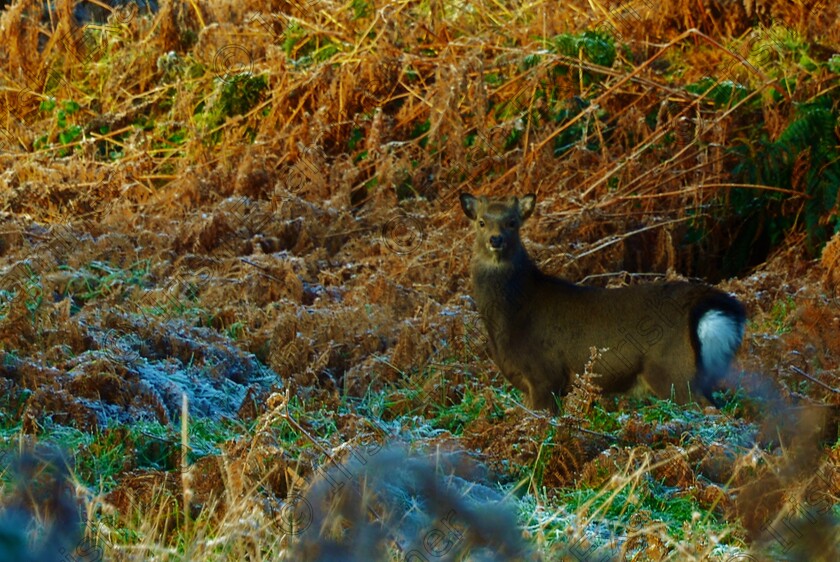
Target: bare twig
[{"x": 803, "y": 374}]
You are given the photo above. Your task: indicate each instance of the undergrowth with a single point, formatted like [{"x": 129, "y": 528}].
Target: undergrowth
[{"x": 251, "y": 205}]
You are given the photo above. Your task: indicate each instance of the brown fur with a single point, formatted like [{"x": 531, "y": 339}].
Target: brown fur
[{"x": 541, "y": 328}]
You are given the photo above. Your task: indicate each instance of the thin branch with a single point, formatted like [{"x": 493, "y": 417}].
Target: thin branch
[
  {"x": 616, "y": 239},
  {"x": 802, "y": 373}
]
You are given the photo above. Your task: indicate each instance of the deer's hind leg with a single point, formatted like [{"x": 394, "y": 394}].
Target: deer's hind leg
[{"x": 672, "y": 377}]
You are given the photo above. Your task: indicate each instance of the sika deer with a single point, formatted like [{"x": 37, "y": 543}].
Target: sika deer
[{"x": 675, "y": 338}]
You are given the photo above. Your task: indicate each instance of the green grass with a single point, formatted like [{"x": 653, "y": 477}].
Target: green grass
[
  {"x": 98, "y": 279},
  {"x": 455, "y": 417},
  {"x": 780, "y": 315},
  {"x": 100, "y": 458}
]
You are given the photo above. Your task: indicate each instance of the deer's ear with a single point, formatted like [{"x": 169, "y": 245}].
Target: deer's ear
[
  {"x": 468, "y": 204},
  {"x": 526, "y": 206}
]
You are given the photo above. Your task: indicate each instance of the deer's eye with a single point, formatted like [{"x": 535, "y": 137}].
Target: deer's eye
[{"x": 481, "y": 223}]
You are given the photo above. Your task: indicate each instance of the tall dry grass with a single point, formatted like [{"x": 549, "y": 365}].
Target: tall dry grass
[{"x": 296, "y": 164}]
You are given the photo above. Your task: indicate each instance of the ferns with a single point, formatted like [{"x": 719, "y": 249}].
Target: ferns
[
  {"x": 804, "y": 159},
  {"x": 596, "y": 46},
  {"x": 812, "y": 134}
]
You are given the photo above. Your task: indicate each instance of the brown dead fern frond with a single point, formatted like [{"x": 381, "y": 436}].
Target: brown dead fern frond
[{"x": 585, "y": 390}]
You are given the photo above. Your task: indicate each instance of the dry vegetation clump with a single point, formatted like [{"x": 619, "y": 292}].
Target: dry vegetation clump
[
  {"x": 412, "y": 504},
  {"x": 43, "y": 499},
  {"x": 251, "y": 205}
]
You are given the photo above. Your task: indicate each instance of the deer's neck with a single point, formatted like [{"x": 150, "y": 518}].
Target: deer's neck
[{"x": 501, "y": 288}]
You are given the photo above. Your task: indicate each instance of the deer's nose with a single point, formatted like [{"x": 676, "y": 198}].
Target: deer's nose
[{"x": 496, "y": 241}]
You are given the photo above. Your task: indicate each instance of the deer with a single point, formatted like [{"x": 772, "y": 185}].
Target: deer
[{"x": 673, "y": 339}]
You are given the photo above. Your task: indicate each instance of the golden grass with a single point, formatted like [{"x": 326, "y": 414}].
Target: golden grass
[{"x": 310, "y": 225}]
